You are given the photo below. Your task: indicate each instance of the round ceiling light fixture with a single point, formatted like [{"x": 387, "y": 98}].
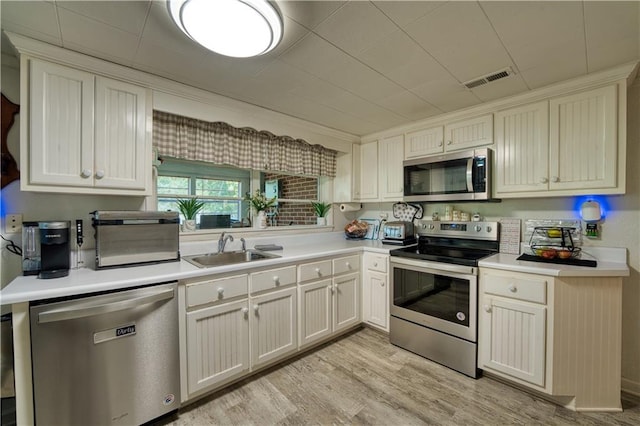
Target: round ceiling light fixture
[{"x": 236, "y": 28}]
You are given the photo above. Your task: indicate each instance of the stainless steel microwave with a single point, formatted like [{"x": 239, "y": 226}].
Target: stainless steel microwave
[{"x": 459, "y": 176}]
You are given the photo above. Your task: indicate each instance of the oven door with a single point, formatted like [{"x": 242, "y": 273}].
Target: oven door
[{"x": 440, "y": 296}]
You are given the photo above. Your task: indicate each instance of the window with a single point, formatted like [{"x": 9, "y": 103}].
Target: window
[{"x": 222, "y": 188}]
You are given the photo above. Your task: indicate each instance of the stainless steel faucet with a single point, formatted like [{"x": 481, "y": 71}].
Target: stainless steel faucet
[
  {"x": 222, "y": 241},
  {"x": 244, "y": 244}
]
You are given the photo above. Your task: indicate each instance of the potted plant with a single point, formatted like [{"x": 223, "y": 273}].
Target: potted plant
[
  {"x": 259, "y": 202},
  {"x": 189, "y": 208},
  {"x": 321, "y": 209}
]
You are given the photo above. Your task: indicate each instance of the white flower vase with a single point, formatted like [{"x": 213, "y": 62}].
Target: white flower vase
[
  {"x": 262, "y": 220},
  {"x": 322, "y": 221},
  {"x": 189, "y": 225}
]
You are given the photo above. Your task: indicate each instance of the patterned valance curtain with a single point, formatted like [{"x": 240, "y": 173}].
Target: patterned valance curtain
[{"x": 216, "y": 142}]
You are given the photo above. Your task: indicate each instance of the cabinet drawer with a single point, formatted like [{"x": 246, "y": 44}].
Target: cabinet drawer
[
  {"x": 346, "y": 264},
  {"x": 374, "y": 262},
  {"x": 216, "y": 290},
  {"x": 315, "y": 270},
  {"x": 273, "y": 278},
  {"x": 532, "y": 289}
]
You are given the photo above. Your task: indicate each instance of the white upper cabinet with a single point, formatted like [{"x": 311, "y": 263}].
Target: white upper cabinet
[
  {"x": 424, "y": 142},
  {"x": 522, "y": 148},
  {"x": 390, "y": 157},
  {"x": 469, "y": 133},
  {"x": 563, "y": 146},
  {"x": 365, "y": 169},
  {"x": 583, "y": 140},
  {"x": 87, "y": 134}
]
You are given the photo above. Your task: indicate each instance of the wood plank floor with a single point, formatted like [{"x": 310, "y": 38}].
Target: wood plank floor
[{"x": 363, "y": 379}]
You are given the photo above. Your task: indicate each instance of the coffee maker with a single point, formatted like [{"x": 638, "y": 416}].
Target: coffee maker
[{"x": 46, "y": 251}]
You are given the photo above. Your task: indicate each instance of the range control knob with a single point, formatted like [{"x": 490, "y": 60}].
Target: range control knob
[
  {"x": 488, "y": 229},
  {"x": 424, "y": 226},
  {"x": 478, "y": 228},
  {"x": 432, "y": 226}
]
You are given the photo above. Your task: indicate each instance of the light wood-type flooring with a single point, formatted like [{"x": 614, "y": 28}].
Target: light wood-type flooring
[{"x": 363, "y": 379}]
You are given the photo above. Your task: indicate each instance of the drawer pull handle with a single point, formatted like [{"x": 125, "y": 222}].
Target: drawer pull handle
[
  {"x": 487, "y": 308},
  {"x": 513, "y": 288},
  {"x": 220, "y": 291}
]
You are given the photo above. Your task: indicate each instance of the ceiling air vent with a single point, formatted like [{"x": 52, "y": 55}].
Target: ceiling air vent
[{"x": 488, "y": 78}]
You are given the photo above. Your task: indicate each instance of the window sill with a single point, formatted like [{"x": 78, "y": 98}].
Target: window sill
[{"x": 205, "y": 234}]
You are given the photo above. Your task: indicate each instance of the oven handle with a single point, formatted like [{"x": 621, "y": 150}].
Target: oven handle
[
  {"x": 435, "y": 267},
  {"x": 470, "y": 175}
]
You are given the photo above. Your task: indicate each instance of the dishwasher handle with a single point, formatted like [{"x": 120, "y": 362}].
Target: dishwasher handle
[{"x": 88, "y": 311}]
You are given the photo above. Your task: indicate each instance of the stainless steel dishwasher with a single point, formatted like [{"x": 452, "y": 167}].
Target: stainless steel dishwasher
[{"x": 106, "y": 359}]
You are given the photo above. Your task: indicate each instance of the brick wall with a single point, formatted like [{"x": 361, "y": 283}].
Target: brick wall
[{"x": 295, "y": 188}]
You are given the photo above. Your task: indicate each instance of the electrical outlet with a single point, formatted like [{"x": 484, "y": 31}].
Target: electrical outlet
[
  {"x": 13, "y": 223},
  {"x": 384, "y": 215}
]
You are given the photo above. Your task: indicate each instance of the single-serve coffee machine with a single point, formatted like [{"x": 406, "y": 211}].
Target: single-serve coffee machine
[{"x": 45, "y": 249}]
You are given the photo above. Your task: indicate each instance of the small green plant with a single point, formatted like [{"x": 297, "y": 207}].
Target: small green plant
[
  {"x": 259, "y": 201},
  {"x": 321, "y": 208},
  {"x": 190, "y": 207}
]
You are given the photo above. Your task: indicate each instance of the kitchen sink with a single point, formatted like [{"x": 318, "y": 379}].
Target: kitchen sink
[{"x": 210, "y": 260}]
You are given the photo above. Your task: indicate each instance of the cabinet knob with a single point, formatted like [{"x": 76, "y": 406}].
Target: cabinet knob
[
  {"x": 332, "y": 288},
  {"x": 544, "y": 180},
  {"x": 381, "y": 283},
  {"x": 276, "y": 279},
  {"x": 440, "y": 143},
  {"x": 86, "y": 173},
  {"x": 99, "y": 174},
  {"x": 449, "y": 142},
  {"x": 347, "y": 264},
  {"x": 317, "y": 271},
  {"x": 555, "y": 179},
  {"x": 375, "y": 264},
  {"x": 256, "y": 308},
  {"x": 220, "y": 291},
  {"x": 487, "y": 308},
  {"x": 513, "y": 288},
  {"x": 245, "y": 311}
]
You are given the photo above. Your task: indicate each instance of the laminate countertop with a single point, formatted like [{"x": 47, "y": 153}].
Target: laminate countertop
[
  {"x": 88, "y": 280},
  {"x": 611, "y": 262}
]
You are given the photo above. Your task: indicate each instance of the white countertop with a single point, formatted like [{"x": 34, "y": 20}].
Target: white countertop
[
  {"x": 88, "y": 280},
  {"x": 611, "y": 262}
]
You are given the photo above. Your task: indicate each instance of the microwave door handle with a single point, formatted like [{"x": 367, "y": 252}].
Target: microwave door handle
[{"x": 470, "y": 175}]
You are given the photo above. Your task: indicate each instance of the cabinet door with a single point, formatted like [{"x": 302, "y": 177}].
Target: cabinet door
[
  {"x": 217, "y": 344},
  {"x": 512, "y": 339},
  {"x": 346, "y": 301},
  {"x": 583, "y": 140},
  {"x": 315, "y": 311},
  {"x": 122, "y": 146},
  {"x": 424, "y": 142},
  {"x": 61, "y": 125},
  {"x": 367, "y": 170},
  {"x": 469, "y": 133},
  {"x": 273, "y": 326},
  {"x": 390, "y": 157},
  {"x": 375, "y": 299},
  {"x": 521, "y": 160},
  {"x": 343, "y": 182}
]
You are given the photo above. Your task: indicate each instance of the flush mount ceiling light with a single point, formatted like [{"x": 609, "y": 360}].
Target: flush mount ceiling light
[{"x": 237, "y": 28}]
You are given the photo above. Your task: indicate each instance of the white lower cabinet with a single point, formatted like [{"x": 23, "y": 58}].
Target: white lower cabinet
[
  {"x": 217, "y": 344},
  {"x": 315, "y": 311},
  {"x": 554, "y": 334},
  {"x": 273, "y": 326},
  {"x": 375, "y": 290},
  {"x": 346, "y": 301}
]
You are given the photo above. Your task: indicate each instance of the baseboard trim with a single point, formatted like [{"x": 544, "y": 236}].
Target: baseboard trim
[{"x": 631, "y": 387}]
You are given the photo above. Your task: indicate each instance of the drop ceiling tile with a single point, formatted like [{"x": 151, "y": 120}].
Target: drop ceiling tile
[
  {"x": 168, "y": 63},
  {"x": 402, "y": 60},
  {"x": 409, "y": 106},
  {"x": 446, "y": 94},
  {"x": 356, "y": 26},
  {"x": 561, "y": 65},
  {"x": 95, "y": 38},
  {"x": 310, "y": 13},
  {"x": 530, "y": 29},
  {"x": 404, "y": 12},
  {"x": 315, "y": 55},
  {"x": 612, "y": 24},
  {"x": 507, "y": 86},
  {"x": 36, "y": 19},
  {"x": 128, "y": 16},
  {"x": 459, "y": 36}
]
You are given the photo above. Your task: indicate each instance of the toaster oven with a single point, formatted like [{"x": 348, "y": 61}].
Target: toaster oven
[{"x": 130, "y": 238}]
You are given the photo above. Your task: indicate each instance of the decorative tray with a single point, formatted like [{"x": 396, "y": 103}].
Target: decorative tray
[{"x": 570, "y": 261}]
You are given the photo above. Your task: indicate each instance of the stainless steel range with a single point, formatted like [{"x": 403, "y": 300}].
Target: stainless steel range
[{"x": 434, "y": 288}]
